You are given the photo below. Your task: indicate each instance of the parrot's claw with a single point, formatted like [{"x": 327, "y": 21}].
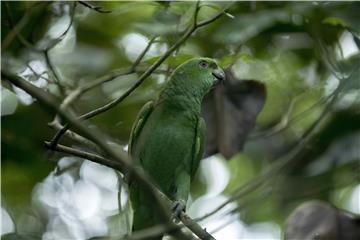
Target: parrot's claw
[{"x": 178, "y": 207}]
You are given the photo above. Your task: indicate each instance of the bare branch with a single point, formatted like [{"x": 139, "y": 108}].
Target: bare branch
[
  {"x": 38, "y": 75},
  {"x": 54, "y": 73},
  {"x": 188, "y": 222},
  {"x": 53, "y": 44},
  {"x": 95, "y": 8},
  {"x": 143, "y": 53},
  {"x": 61, "y": 37},
  {"x": 196, "y": 13},
  {"x": 86, "y": 155},
  {"x": 118, "y": 73},
  {"x": 16, "y": 29},
  {"x": 75, "y": 137}
]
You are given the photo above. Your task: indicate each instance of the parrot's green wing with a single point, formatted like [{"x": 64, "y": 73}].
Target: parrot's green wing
[
  {"x": 199, "y": 143},
  {"x": 139, "y": 124}
]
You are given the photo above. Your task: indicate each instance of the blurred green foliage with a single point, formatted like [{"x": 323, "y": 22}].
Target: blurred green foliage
[{"x": 301, "y": 50}]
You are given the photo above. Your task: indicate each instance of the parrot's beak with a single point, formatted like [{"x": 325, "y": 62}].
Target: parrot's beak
[{"x": 219, "y": 74}]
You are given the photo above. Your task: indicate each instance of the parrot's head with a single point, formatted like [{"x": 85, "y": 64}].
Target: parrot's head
[{"x": 198, "y": 75}]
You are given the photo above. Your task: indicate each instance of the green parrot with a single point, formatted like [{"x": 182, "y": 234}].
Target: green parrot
[{"x": 167, "y": 138}]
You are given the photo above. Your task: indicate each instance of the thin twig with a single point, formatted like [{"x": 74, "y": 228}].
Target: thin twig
[
  {"x": 59, "y": 171},
  {"x": 38, "y": 75},
  {"x": 54, "y": 73},
  {"x": 61, "y": 37},
  {"x": 52, "y": 45},
  {"x": 95, "y": 8},
  {"x": 143, "y": 53},
  {"x": 86, "y": 155},
  {"x": 16, "y": 29},
  {"x": 285, "y": 122},
  {"x": 82, "y": 89},
  {"x": 118, "y": 73},
  {"x": 75, "y": 137}
]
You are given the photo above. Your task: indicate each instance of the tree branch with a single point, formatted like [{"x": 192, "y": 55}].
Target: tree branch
[
  {"x": 61, "y": 37},
  {"x": 188, "y": 222},
  {"x": 81, "y": 90},
  {"x": 16, "y": 29},
  {"x": 95, "y": 8},
  {"x": 86, "y": 155},
  {"x": 52, "y": 45},
  {"x": 54, "y": 73}
]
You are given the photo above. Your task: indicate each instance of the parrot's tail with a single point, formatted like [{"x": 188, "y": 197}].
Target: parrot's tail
[{"x": 144, "y": 214}]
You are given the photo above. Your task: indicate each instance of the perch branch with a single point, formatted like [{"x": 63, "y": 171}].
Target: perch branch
[
  {"x": 188, "y": 222},
  {"x": 95, "y": 8}
]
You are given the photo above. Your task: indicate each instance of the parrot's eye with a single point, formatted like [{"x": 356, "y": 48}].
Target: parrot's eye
[{"x": 203, "y": 64}]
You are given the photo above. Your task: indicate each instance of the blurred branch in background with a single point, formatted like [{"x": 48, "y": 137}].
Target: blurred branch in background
[
  {"x": 95, "y": 8},
  {"x": 16, "y": 29}
]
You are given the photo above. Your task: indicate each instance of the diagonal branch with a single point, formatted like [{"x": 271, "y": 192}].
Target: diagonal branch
[
  {"x": 82, "y": 89},
  {"x": 54, "y": 73},
  {"x": 52, "y": 45},
  {"x": 16, "y": 28},
  {"x": 147, "y": 73},
  {"x": 188, "y": 222},
  {"x": 95, "y": 8}
]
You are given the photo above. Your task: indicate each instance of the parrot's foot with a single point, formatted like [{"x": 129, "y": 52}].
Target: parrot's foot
[{"x": 178, "y": 207}]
